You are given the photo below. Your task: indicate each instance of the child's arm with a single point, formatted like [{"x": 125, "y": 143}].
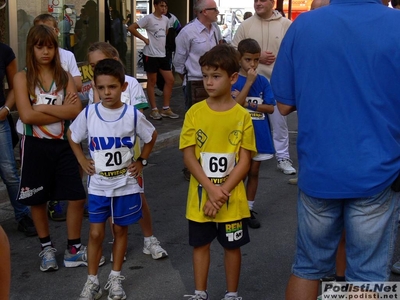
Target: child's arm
[
  {"x": 11, "y": 70},
  {"x": 217, "y": 195},
  {"x": 71, "y": 106},
  {"x": 134, "y": 30},
  {"x": 136, "y": 167},
  {"x": 87, "y": 164},
  {"x": 265, "y": 108},
  {"x": 24, "y": 106},
  {"x": 240, "y": 171},
  {"x": 240, "y": 96}
]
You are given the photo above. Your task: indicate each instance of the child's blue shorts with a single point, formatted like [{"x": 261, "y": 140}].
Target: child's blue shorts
[{"x": 124, "y": 210}]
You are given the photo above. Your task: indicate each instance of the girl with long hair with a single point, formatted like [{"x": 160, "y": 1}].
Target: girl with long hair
[{"x": 46, "y": 100}]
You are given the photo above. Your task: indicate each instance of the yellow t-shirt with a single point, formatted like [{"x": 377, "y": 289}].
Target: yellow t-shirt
[{"x": 218, "y": 137}]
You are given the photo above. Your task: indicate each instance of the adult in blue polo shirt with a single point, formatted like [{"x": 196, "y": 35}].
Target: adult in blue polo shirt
[{"x": 336, "y": 66}]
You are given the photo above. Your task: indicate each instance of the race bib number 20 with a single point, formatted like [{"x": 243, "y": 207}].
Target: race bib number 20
[{"x": 112, "y": 163}]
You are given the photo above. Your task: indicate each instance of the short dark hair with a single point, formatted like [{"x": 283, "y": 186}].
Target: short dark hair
[
  {"x": 249, "y": 46},
  {"x": 221, "y": 56},
  {"x": 156, "y": 2},
  {"x": 394, "y": 3},
  {"x": 110, "y": 67},
  {"x": 43, "y": 18}
]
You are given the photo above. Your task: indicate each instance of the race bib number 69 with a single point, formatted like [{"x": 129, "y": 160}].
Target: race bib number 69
[{"x": 217, "y": 165}]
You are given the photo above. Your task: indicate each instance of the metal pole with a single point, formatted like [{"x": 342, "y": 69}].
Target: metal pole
[{"x": 290, "y": 10}]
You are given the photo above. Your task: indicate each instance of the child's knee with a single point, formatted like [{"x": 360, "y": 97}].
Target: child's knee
[
  {"x": 120, "y": 230},
  {"x": 96, "y": 235}
]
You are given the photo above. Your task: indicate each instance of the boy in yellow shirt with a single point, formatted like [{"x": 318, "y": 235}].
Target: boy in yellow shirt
[{"x": 217, "y": 141}]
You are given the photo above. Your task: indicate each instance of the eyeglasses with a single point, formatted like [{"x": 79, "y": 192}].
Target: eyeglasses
[{"x": 212, "y": 8}]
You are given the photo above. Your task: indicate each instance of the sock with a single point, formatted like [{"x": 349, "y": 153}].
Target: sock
[
  {"x": 165, "y": 107},
  {"x": 94, "y": 279},
  {"x": 251, "y": 204},
  {"x": 45, "y": 242},
  {"x": 231, "y": 294},
  {"x": 74, "y": 245},
  {"x": 114, "y": 273},
  {"x": 147, "y": 240},
  {"x": 155, "y": 108}
]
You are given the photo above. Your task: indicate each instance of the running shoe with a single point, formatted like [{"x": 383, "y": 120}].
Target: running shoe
[
  {"x": 155, "y": 115},
  {"x": 198, "y": 296},
  {"x": 26, "y": 226},
  {"x": 55, "y": 211},
  {"x": 91, "y": 291},
  {"x": 285, "y": 165},
  {"x": 231, "y": 298},
  {"x": 78, "y": 259},
  {"x": 48, "y": 263},
  {"x": 153, "y": 247},
  {"x": 114, "y": 288},
  {"x": 168, "y": 113}
]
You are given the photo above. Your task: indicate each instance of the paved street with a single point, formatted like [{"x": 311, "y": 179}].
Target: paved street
[{"x": 266, "y": 259}]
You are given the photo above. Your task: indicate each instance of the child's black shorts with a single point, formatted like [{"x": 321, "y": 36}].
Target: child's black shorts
[
  {"x": 153, "y": 64},
  {"x": 49, "y": 171},
  {"x": 230, "y": 235}
]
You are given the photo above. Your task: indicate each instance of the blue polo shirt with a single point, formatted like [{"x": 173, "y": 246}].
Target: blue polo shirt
[{"x": 340, "y": 66}]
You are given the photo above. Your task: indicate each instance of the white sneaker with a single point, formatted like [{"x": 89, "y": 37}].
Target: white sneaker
[
  {"x": 198, "y": 296},
  {"x": 285, "y": 165},
  {"x": 153, "y": 247},
  {"x": 114, "y": 288},
  {"x": 91, "y": 291}
]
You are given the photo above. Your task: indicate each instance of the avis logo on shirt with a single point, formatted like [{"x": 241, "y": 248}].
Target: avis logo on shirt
[{"x": 106, "y": 143}]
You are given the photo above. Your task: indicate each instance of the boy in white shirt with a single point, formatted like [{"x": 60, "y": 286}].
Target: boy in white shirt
[{"x": 115, "y": 178}]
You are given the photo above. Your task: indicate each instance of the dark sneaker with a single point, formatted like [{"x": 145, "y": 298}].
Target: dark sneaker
[
  {"x": 26, "y": 226},
  {"x": 55, "y": 211},
  {"x": 253, "y": 222}
]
